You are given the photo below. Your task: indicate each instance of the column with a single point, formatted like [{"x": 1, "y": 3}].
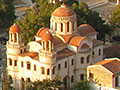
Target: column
[{"x": 118, "y": 2}]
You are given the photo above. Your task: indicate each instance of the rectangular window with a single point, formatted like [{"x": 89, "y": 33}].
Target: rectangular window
[
  {"x": 82, "y": 77},
  {"x": 15, "y": 62},
  {"x": 55, "y": 26},
  {"x": 59, "y": 66},
  {"x": 34, "y": 67},
  {"x": 66, "y": 64},
  {"x": 10, "y": 62},
  {"x": 28, "y": 66},
  {"x": 91, "y": 75},
  {"x": 22, "y": 64},
  {"x": 61, "y": 27},
  {"x": 67, "y": 26}
]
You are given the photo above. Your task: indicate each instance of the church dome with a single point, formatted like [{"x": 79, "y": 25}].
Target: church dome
[
  {"x": 45, "y": 34},
  {"x": 15, "y": 28},
  {"x": 63, "y": 11}
]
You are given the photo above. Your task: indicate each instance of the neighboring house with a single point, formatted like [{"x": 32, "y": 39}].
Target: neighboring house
[
  {"x": 105, "y": 73},
  {"x": 64, "y": 49},
  {"x": 108, "y": 53}
]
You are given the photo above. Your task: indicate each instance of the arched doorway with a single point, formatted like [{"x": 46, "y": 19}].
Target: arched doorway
[{"x": 66, "y": 82}]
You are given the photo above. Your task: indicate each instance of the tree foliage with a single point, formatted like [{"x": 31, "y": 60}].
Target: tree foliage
[
  {"x": 40, "y": 15},
  {"x": 83, "y": 85},
  {"x": 115, "y": 19},
  {"x": 6, "y": 82},
  {"x": 44, "y": 85},
  {"x": 7, "y": 13}
]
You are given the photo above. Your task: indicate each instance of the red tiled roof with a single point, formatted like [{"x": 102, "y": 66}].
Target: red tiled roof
[
  {"x": 30, "y": 54},
  {"x": 64, "y": 53},
  {"x": 45, "y": 34},
  {"x": 63, "y": 11},
  {"x": 112, "y": 51},
  {"x": 15, "y": 28},
  {"x": 76, "y": 40},
  {"x": 112, "y": 65},
  {"x": 97, "y": 42},
  {"x": 86, "y": 29},
  {"x": 67, "y": 37},
  {"x": 58, "y": 42}
]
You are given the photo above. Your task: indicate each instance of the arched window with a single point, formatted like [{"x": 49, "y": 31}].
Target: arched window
[
  {"x": 72, "y": 79},
  {"x": 82, "y": 60},
  {"x": 28, "y": 79},
  {"x": 93, "y": 53},
  {"x": 22, "y": 79},
  {"x": 61, "y": 27},
  {"x": 88, "y": 58},
  {"x": 48, "y": 71},
  {"x": 82, "y": 77},
  {"x": 10, "y": 62},
  {"x": 67, "y": 26},
  {"x": 42, "y": 70},
  {"x": 28, "y": 65},
  {"x": 55, "y": 26},
  {"x": 15, "y": 62},
  {"x": 59, "y": 66},
  {"x": 99, "y": 53},
  {"x": 66, "y": 64},
  {"x": 72, "y": 62},
  {"x": 34, "y": 67},
  {"x": 22, "y": 64},
  {"x": 11, "y": 37},
  {"x": 53, "y": 70}
]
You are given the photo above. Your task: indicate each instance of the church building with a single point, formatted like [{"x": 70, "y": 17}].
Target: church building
[{"x": 64, "y": 49}]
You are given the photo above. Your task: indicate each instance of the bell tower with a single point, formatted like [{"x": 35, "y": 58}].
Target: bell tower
[{"x": 14, "y": 47}]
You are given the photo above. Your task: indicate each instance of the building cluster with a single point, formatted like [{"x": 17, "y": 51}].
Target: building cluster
[{"x": 64, "y": 49}]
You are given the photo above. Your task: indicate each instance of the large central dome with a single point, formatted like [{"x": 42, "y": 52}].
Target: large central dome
[{"x": 63, "y": 11}]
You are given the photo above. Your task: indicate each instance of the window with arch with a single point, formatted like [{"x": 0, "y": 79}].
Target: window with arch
[
  {"x": 93, "y": 53},
  {"x": 15, "y": 37},
  {"x": 72, "y": 79},
  {"x": 59, "y": 66},
  {"x": 22, "y": 64},
  {"x": 34, "y": 67},
  {"x": 82, "y": 77},
  {"x": 82, "y": 60},
  {"x": 11, "y": 37},
  {"x": 28, "y": 65},
  {"x": 48, "y": 71},
  {"x": 99, "y": 52},
  {"x": 10, "y": 62},
  {"x": 72, "y": 62},
  {"x": 55, "y": 26},
  {"x": 22, "y": 79},
  {"x": 53, "y": 70},
  {"x": 28, "y": 79},
  {"x": 42, "y": 70},
  {"x": 15, "y": 63},
  {"x": 88, "y": 58},
  {"x": 67, "y": 26},
  {"x": 61, "y": 27},
  {"x": 65, "y": 64}
]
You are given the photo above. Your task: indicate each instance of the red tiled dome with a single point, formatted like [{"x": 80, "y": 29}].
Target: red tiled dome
[
  {"x": 44, "y": 34},
  {"x": 63, "y": 11},
  {"x": 15, "y": 28}
]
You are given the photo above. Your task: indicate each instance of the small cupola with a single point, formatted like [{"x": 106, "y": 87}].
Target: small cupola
[{"x": 14, "y": 34}]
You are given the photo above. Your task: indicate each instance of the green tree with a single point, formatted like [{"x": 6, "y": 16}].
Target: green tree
[
  {"x": 44, "y": 85},
  {"x": 115, "y": 19},
  {"x": 6, "y": 81},
  {"x": 83, "y": 85},
  {"x": 7, "y": 13}
]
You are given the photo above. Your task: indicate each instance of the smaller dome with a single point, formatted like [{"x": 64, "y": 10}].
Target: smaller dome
[
  {"x": 45, "y": 34},
  {"x": 38, "y": 34},
  {"x": 15, "y": 28},
  {"x": 63, "y": 11}
]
